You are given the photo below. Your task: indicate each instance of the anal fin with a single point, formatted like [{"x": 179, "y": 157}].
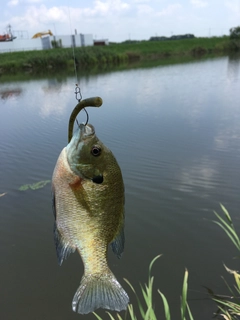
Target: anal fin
[{"x": 118, "y": 243}]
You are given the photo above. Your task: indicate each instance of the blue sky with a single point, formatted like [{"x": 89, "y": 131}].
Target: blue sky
[{"x": 119, "y": 20}]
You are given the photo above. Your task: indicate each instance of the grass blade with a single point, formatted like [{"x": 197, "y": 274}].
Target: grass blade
[
  {"x": 131, "y": 312},
  {"x": 228, "y": 227},
  {"x": 97, "y": 316},
  {"x": 184, "y": 295},
  {"x": 189, "y": 313},
  {"x": 226, "y": 214},
  {"x": 166, "y": 306},
  {"x": 231, "y": 234},
  {"x": 152, "y": 262},
  {"x": 110, "y": 316},
  {"x": 138, "y": 300}
]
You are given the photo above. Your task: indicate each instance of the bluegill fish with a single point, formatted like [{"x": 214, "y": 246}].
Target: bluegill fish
[{"x": 88, "y": 203}]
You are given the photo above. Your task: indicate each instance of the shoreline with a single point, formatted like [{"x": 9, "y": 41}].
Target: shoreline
[{"x": 49, "y": 61}]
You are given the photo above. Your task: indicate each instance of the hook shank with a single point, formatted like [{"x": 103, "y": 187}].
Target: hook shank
[{"x": 90, "y": 102}]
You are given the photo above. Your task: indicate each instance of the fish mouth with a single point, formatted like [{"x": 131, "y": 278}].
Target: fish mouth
[{"x": 86, "y": 130}]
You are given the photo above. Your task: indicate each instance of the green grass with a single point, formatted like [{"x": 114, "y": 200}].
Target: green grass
[
  {"x": 146, "y": 309},
  {"x": 57, "y": 58},
  {"x": 228, "y": 305},
  {"x": 114, "y": 54},
  {"x": 227, "y": 225},
  {"x": 172, "y": 47}
]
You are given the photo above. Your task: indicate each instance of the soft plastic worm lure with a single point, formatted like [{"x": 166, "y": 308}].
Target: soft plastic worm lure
[{"x": 90, "y": 102}]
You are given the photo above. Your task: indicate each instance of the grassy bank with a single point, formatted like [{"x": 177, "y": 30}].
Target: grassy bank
[
  {"x": 227, "y": 306},
  {"x": 114, "y": 54}
]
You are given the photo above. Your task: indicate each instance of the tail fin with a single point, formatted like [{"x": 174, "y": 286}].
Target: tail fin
[{"x": 99, "y": 291}]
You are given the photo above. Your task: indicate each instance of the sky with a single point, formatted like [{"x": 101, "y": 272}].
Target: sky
[{"x": 120, "y": 20}]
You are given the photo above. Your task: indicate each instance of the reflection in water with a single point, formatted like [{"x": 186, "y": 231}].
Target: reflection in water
[
  {"x": 228, "y": 137},
  {"x": 10, "y": 93},
  {"x": 233, "y": 67},
  {"x": 57, "y": 106},
  {"x": 202, "y": 173},
  {"x": 52, "y": 107},
  {"x": 54, "y": 85}
]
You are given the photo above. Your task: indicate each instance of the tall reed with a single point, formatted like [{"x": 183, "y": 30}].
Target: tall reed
[
  {"x": 146, "y": 310},
  {"x": 229, "y": 306}
]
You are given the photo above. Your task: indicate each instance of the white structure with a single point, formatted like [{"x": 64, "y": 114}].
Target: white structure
[
  {"x": 65, "y": 41},
  {"x": 21, "y": 45},
  {"x": 86, "y": 40},
  {"x": 76, "y": 40}
]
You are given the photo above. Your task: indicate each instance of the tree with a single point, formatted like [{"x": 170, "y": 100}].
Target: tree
[{"x": 235, "y": 33}]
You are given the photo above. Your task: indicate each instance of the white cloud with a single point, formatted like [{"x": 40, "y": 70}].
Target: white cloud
[
  {"x": 234, "y": 6},
  {"x": 140, "y": 1},
  {"x": 38, "y": 19},
  {"x": 13, "y": 3},
  {"x": 54, "y": 14},
  {"x": 170, "y": 10},
  {"x": 32, "y": 1},
  {"x": 144, "y": 9},
  {"x": 109, "y": 6},
  {"x": 199, "y": 3}
]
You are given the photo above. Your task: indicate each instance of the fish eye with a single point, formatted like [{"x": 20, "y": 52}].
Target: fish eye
[{"x": 96, "y": 151}]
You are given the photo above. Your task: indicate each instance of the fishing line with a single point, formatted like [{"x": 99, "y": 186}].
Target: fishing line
[
  {"x": 73, "y": 50},
  {"x": 78, "y": 93}
]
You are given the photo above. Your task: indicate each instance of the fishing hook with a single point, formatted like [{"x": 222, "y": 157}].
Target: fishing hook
[
  {"x": 86, "y": 120},
  {"x": 87, "y": 116},
  {"x": 77, "y": 123},
  {"x": 82, "y": 104}
]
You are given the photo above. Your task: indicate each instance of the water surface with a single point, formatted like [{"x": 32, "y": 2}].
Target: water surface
[{"x": 175, "y": 131}]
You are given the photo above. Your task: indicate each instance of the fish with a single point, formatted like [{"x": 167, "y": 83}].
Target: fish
[{"x": 88, "y": 205}]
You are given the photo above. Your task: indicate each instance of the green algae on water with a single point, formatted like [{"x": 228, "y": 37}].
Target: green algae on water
[{"x": 34, "y": 186}]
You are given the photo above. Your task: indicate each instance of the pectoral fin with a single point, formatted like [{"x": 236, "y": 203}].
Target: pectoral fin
[
  {"x": 53, "y": 203},
  {"x": 62, "y": 247},
  {"x": 118, "y": 243}
]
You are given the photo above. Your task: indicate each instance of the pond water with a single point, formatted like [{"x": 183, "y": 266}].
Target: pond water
[{"x": 175, "y": 131}]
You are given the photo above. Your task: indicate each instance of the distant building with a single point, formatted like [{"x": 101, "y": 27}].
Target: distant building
[
  {"x": 101, "y": 42},
  {"x": 69, "y": 41},
  {"x": 47, "y": 42}
]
